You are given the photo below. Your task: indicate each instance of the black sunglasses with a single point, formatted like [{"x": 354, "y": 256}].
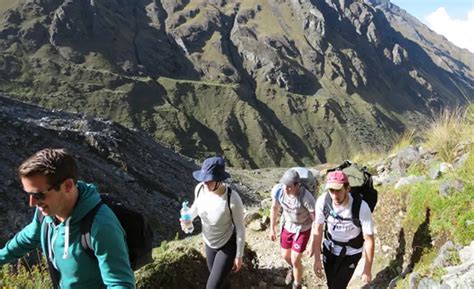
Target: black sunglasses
[
  {"x": 38, "y": 196},
  {"x": 42, "y": 195}
]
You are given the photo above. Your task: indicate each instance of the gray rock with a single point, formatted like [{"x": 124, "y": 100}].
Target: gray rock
[
  {"x": 413, "y": 280},
  {"x": 444, "y": 255},
  {"x": 434, "y": 172},
  {"x": 428, "y": 283},
  {"x": 461, "y": 276},
  {"x": 410, "y": 180},
  {"x": 266, "y": 203},
  {"x": 445, "y": 167},
  {"x": 459, "y": 163},
  {"x": 252, "y": 216},
  {"x": 467, "y": 253},
  {"x": 256, "y": 226},
  {"x": 409, "y": 155},
  {"x": 448, "y": 187}
]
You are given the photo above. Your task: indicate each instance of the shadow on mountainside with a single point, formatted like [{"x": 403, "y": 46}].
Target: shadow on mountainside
[
  {"x": 382, "y": 279},
  {"x": 421, "y": 240}
]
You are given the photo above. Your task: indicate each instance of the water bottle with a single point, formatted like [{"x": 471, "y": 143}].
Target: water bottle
[{"x": 186, "y": 216}]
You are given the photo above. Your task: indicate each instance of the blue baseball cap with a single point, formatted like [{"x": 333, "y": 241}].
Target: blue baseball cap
[{"x": 213, "y": 169}]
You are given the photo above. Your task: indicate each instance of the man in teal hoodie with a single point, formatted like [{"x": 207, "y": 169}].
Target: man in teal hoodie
[{"x": 49, "y": 178}]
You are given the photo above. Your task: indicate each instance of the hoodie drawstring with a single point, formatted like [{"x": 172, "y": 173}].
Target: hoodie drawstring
[
  {"x": 66, "y": 238},
  {"x": 51, "y": 246}
]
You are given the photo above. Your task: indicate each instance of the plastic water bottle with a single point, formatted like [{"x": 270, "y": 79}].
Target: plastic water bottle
[{"x": 186, "y": 216}]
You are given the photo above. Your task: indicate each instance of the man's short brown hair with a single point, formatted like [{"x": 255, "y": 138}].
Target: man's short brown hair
[{"x": 56, "y": 164}]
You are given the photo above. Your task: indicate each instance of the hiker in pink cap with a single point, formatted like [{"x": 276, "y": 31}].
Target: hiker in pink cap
[{"x": 349, "y": 232}]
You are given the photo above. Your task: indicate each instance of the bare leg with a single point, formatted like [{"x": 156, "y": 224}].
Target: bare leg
[{"x": 297, "y": 266}]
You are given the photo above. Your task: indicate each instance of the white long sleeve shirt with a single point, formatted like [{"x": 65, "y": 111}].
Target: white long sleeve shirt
[{"x": 217, "y": 227}]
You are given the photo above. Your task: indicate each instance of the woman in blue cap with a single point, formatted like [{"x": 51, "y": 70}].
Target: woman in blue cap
[{"x": 222, "y": 217}]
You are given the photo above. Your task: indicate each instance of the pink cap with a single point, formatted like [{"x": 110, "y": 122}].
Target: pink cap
[{"x": 336, "y": 180}]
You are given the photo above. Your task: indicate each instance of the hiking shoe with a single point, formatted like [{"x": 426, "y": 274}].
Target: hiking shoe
[{"x": 289, "y": 276}]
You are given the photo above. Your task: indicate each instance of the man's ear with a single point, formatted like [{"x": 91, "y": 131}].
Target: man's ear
[{"x": 69, "y": 185}]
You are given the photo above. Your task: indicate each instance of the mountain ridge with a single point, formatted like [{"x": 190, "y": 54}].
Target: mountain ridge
[{"x": 267, "y": 84}]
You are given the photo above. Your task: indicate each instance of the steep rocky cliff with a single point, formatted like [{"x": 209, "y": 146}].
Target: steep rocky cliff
[
  {"x": 126, "y": 164},
  {"x": 266, "y": 83}
]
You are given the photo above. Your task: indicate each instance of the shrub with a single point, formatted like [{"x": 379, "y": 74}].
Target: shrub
[{"x": 24, "y": 275}]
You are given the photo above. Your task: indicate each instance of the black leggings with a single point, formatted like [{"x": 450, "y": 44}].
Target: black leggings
[
  {"x": 220, "y": 262},
  {"x": 338, "y": 278}
]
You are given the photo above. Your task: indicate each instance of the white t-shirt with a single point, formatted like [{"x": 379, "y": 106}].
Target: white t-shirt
[
  {"x": 344, "y": 231},
  {"x": 217, "y": 227},
  {"x": 297, "y": 210}
]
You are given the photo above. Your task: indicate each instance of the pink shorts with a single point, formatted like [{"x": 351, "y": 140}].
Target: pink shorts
[{"x": 287, "y": 240}]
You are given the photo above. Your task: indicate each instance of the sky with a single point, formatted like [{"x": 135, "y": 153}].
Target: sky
[{"x": 454, "y": 19}]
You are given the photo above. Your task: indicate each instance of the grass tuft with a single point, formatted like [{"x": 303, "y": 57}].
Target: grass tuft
[
  {"x": 406, "y": 139},
  {"x": 448, "y": 129}
]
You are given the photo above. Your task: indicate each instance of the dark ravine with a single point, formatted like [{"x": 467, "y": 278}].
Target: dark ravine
[{"x": 271, "y": 84}]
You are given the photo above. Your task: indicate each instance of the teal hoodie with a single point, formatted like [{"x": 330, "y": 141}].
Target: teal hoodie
[{"x": 78, "y": 270}]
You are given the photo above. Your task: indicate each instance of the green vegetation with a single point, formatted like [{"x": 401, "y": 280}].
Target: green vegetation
[
  {"x": 22, "y": 275},
  {"x": 449, "y": 215},
  {"x": 172, "y": 259},
  {"x": 445, "y": 217}
]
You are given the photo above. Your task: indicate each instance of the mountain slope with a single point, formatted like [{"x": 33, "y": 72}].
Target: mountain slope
[
  {"x": 126, "y": 164},
  {"x": 267, "y": 84}
]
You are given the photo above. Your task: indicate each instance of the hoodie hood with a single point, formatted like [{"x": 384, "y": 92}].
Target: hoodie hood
[{"x": 88, "y": 198}]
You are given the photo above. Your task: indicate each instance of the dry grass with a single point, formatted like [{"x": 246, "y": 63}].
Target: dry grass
[
  {"x": 368, "y": 158},
  {"x": 406, "y": 140},
  {"x": 448, "y": 129}
]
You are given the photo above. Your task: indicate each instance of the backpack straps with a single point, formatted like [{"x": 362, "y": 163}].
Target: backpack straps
[
  {"x": 328, "y": 210},
  {"x": 86, "y": 227},
  {"x": 199, "y": 190},
  {"x": 229, "y": 192},
  {"x": 279, "y": 194},
  {"x": 356, "y": 204}
]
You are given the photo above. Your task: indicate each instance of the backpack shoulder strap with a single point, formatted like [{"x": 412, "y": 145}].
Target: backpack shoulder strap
[
  {"x": 86, "y": 226},
  {"x": 327, "y": 208},
  {"x": 356, "y": 204},
  {"x": 199, "y": 191},
  {"x": 229, "y": 192},
  {"x": 279, "y": 194}
]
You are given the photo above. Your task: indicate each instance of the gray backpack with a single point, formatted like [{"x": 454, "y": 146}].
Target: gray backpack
[{"x": 307, "y": 179}]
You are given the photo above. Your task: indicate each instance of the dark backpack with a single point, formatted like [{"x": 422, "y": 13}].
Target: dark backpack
[
  {"x": 139, "y": 236},
  {"x": 360, "y": 181}
]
